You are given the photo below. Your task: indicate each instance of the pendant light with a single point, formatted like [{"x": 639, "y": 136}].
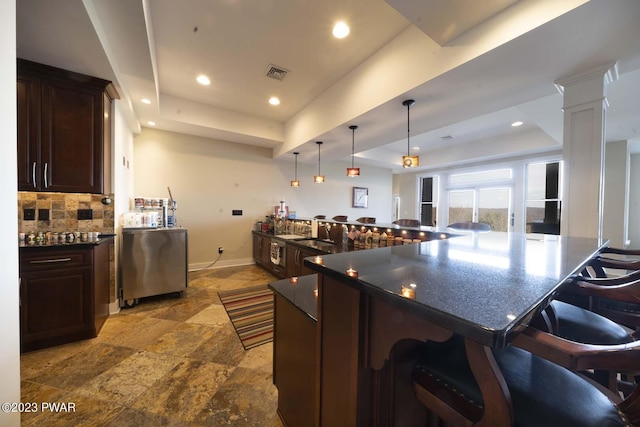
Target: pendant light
[
  {"x": 409, "y": 161},
  {"x": 318, "y": 178},
  {"x": 295, "y": 182},
  {"x": 353, "y": 171}
]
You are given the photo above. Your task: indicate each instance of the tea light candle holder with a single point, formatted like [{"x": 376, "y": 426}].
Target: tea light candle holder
[
  {"x": 318, "y": 260},
  {"x": 315, "y": 293},
  {"x": 409, "y": 291},
  {"x": 293, "y": 279},
  {"x": 352, "y": 273}
]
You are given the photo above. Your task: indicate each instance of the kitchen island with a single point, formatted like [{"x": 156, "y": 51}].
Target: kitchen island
[{"x": 376, "y": 308}]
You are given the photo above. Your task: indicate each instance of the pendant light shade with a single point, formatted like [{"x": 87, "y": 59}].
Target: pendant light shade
[
  {"x": 409, "y": 161},
  {"x": 352, "y": 171},
  {"x": 318, "y": 178},
  {"x": 295, "y": 182}
]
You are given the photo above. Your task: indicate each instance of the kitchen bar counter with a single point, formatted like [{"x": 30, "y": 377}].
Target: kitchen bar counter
[
  {"x": 376, "y": 307},
  {"x": 329, "y": 247}
]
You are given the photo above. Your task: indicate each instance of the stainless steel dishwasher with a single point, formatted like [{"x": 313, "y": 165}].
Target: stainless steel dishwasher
[{"x": 153, "y": 262}]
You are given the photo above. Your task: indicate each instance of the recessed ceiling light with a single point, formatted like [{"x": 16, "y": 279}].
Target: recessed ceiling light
[
  {"x": 340, "y": 30},
  {"x": 416, "y": 148},
  {"x": 516, "y": 124},
  {"x": 150, "y": 123},
  {"x": 145, "y": 101},
  {"x": 203, "y": 80},
  {"x": 274, "y": 101}
]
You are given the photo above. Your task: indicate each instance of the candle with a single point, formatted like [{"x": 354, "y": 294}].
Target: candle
[
  {"x": 352, "y": 273},
  {"x": 409, "y": 291},
  {"x": 318, "y": 260},
  {"x": 315, "y": 293},
  {"x": 293, "y": 280}
]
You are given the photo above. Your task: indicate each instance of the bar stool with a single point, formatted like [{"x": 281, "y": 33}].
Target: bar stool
[
  {"x": 517, "y": 387},
  {"x": 407, "y": 222},
  {"x": 366, "y": 220}
]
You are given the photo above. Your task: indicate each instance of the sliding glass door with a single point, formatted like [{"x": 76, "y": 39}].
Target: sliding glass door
[{"x": 491, "y": 205}]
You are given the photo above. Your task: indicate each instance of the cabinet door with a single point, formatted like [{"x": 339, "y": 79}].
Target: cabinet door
[
  {"x": 265, "y": 254},
  {"x": 28, "y": 96},
  {"x": 56, "y": 307},
  {"x": 257, "y": 249},
  {"x": 72, "y": 149},
  {"x": 305, "y": 253},
  {"x": 292, "y": 261}
]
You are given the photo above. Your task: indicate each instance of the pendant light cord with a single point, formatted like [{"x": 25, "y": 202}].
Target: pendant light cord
[
  {"x": 408, "y": 103},
  {"x": 408, "y": 130},
  {"x": 353, "y": 143}
]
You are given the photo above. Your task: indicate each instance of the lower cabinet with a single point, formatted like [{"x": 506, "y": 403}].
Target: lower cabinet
[
  {"x": 295, "y": 257},
  {"x": 295, "y": 352},
  {"x": 262, "y": 256},
  {"x": 64, "y": 294}
]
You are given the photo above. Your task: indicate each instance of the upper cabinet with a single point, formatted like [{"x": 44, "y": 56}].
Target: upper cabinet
[{"x": 64, "y": 129}]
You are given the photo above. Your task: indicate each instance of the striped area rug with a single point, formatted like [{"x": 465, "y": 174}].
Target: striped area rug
[{"x": 251, "y": 313}]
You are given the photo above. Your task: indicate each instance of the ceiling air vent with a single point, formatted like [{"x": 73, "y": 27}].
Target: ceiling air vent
[{"x": 276, "y": 72}]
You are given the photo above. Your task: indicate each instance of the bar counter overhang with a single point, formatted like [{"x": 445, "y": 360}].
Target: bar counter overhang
[{"x": 373, "y": 304}]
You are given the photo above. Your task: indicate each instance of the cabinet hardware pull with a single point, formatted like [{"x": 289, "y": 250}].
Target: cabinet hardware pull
[
  {"x": 46, "y": 165},
  {"x": 46, "y": 261},
  {"x": 33, "y": 173}
]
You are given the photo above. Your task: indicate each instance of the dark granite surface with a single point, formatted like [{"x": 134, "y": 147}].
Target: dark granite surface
[
  {"x": 300, "y": 293},
  {"x": 484, "y": 286},
  {"x": 328, "y": 247},
  {"x": 76, "y": 243}
]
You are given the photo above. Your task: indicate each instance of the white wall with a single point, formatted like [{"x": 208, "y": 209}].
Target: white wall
[
  {"x": 634, "y": 202},
  {"x": 616, "y": 193},
  {"x": 122, "y": 156},
  {"x": 9, "y": 310},
  {"x": 210, "y": 178}
]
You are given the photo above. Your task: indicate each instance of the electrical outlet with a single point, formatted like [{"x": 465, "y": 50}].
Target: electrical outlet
[
  {"x": 43, "y": 214},
  {"x": 29, "y": 214},
  {"x": 85, "y": 213},
  {"x": 220, "y": 249}
]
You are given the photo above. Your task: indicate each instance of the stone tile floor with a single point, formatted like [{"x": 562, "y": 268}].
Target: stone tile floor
[{"x": 166, "y": 362}]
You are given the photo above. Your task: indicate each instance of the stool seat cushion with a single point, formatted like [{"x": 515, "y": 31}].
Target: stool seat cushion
[
  {"x": 581, "y": 325},
  {"x": 542, "y": 393}
]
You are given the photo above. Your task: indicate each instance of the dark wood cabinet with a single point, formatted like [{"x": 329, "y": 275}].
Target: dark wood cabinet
[
  {"x": 64, "y": 294},
  {"x": 295, "y": 257},
  {"x": 64, "y": 127},
  {"x": 262, "y": 257},
  {"x": 294, "y": 362}
]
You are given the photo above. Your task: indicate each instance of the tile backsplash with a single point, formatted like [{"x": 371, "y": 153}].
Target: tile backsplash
[{"x": 63, "y": 212}]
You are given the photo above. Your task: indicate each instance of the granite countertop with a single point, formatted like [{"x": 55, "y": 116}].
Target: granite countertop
[
  {"x": 300, "y": 293},
  {"x": 328, "y": 247},
  {"x": 76, "y": 243},
  {"x": 484, "y": 286}
]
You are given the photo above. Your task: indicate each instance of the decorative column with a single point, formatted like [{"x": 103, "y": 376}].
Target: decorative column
[{"x": 584, "y": 109}]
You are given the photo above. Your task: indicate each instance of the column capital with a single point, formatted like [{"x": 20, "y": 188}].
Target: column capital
[
  {"x": 608, "y": 72},
  {"x": 586, "y": 87}
]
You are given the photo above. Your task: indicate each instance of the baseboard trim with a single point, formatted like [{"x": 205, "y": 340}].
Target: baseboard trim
[{"x": 220, "y": 264}]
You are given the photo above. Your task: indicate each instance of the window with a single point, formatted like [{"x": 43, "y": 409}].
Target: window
[
  {"x": 544, "y": 200},
  {"x": 428, "y": 200}
]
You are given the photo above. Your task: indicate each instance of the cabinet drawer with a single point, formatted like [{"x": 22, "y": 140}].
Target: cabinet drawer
[{"x": 51, "y": 258}]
